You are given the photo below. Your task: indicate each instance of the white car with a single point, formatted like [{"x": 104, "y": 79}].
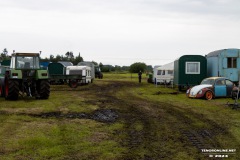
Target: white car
[{"x": 212, "y": 87}]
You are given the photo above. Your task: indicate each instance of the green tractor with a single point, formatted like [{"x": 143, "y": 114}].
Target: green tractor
[{"x": 24, "y": 77}]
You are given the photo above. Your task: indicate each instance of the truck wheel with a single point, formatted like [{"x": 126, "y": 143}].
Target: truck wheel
[
  {"x": 43, "y": 89},
  {"x": 208, "y": 95},
  {"x": 11, "y": 89}
]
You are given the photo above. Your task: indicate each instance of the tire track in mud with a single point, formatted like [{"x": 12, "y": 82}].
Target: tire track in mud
[
  {"x": 191, "y": 136},
  {"x": 132, "y": 112}
]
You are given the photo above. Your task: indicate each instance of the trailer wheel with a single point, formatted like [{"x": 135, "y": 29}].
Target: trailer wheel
[
  {"x": 2, "y": 88},
  {"x": 11, "y": 89},
  {"x": 43, "y": 89},
  {"x": 208, "y": 95},
  {"x": 234, "y": 94},
  {"x": 180, "y": 88},
  {"x": 73, "y": 83}
]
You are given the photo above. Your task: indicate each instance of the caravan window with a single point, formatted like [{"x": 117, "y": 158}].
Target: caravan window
[
  {"x": 192, "y": 68},
  {"x": 163, "y": 72},
  {"x": 170, "y": 72},
  {"x": 159, "y": 72},
  {"x": 232, "y": 62}
]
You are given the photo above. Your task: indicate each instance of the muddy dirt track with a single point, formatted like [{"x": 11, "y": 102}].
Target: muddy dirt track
[{"x": 151, "y": 130}]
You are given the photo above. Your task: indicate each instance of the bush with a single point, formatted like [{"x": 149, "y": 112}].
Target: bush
[{"x": 138, "y": 66}]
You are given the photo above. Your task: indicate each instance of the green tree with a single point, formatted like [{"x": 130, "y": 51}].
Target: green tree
[
  {"x": 138, "y": 66},
  {"x": 101, "y": 66},
  {"x": 5, "y": 51},
  {"x": 4, "y": 55},
  {"x": 57, "y": 58},
  {"x": 117, "y": 68},
  {"x": 69, "y": 55},
  {"x": 51, "y": 58},
  {"x": 77, "y": 59}
]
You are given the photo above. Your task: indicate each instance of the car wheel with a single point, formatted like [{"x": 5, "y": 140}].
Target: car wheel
[{"x": 208, "y": 95}]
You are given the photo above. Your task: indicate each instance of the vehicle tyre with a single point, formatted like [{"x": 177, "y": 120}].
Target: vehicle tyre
[
  {"x": 43, "y": 89},
  {"x": 180, "y": 88},
  {"x": 234, "y": 94},
  {"x": 2, "y": 94},
  {"x": 208, "y": 95},
  {"x": 73, "y": 83},
  {"x": 149, "y": 80},
  {"x": 11, "y": 89}
]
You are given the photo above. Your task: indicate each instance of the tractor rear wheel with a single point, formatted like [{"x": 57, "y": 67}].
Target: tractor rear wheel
[
  {"x": 11, "y": 89},
  {"x": 43, "y": 89}
]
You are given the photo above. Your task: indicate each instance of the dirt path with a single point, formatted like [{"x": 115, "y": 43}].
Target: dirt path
[{"x": 158, "y": 130}]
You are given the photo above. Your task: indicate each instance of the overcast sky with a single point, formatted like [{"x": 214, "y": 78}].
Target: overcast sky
[{"x": 120, "y": 32}]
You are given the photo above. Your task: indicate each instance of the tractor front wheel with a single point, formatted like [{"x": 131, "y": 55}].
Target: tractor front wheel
[{"x": 11, "y": 89}]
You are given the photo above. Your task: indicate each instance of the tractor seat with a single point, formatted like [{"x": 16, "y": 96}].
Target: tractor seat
[{"x": 27, "y": 65}]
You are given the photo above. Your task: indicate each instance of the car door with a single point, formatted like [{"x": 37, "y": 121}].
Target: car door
[
  {"x": 229, "y": 85},
  {"x": 220, "y": 88}
]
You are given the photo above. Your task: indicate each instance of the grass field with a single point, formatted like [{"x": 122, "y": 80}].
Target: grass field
[{"x": 117, "y": 118}]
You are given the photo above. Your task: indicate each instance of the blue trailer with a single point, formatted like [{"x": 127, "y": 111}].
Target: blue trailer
[{"x": 224, "y": 63}]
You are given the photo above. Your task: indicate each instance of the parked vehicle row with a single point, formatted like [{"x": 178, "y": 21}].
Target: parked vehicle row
[
  {"x": 190, "y": 70},
  {"x": 24, "y": 75},
  {"x": 66, "y": 72},
  {"x": 186, "y": 71}
]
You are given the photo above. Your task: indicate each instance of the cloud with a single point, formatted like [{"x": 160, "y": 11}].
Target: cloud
[{"x": 149, "y": 29}]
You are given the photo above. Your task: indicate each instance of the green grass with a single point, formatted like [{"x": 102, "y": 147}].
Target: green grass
[
  {"x": 54, "y": 139},
  {"x": 149, "y": 112}
]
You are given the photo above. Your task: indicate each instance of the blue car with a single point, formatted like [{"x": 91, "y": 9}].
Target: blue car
[{"x": 211, "y": 88}]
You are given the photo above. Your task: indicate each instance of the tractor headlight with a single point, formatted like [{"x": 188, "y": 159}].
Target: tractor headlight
[{"x": 14, "y": 75}]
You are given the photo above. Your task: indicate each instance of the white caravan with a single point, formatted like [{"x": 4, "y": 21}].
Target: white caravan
[
  {"x": 85, "y": 71},
  {"x": 164, "y": 74},
  {"x": 155, "y": 72}
]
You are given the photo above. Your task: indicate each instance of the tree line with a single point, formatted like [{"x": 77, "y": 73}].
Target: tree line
[{"x": 69, "y": 56}]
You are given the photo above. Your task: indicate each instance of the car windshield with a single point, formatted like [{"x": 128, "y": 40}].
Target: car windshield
[{"x": 208, "y": 81}]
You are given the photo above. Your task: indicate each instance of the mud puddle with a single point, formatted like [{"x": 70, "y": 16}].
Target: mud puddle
[{"x": 100, "y": 115}]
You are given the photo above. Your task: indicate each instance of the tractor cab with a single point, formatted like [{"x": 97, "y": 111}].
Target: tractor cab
[
  {"x": 25, "y": 77},
  {"x": 25, "y": 61}
]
